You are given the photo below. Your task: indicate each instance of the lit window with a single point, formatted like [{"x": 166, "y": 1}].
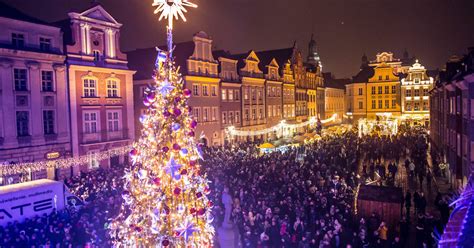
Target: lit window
[
  {"x": 112, "y": 88},
  {"x": 205, "y": 116},
  {"x": 195, "y": 89},
  {"x": 90, "y": 87},
  {"x": 113, "y": 121},
  {"x": 394, "y": 89},
  {"x": 205, "y": 90},
  {"x": 417, "y": 92},
  {"x": 224, "y": 117},
  {"x": 224, "y": 94},
  {"x": 213, "y": 90},
  {"x": 90, "y": 122},
  {"x": 237, "y": 117}
]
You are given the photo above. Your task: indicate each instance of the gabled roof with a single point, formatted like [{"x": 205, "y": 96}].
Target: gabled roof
[
  {"x": 364, "y": 74},
  {"x": 281, "y": 56},
  {"x": 331, "y": 82},
  {"x": 8, "y": 11},
  {"x": 143, "y": 60}
]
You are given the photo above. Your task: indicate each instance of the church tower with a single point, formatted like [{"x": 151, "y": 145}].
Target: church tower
[{"x": 313, "y": 56}]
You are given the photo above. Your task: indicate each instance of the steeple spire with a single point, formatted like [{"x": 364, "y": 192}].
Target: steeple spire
[{"x": 313, "y": 56}]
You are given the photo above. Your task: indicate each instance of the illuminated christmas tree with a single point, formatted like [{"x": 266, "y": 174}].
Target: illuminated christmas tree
[{"x": 165, "y": 196}]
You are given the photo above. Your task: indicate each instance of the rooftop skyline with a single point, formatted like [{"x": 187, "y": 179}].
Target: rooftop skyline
[{"x": 432, "y": 31}]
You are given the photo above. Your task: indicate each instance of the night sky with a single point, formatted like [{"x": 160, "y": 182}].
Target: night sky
[{"x": 432, "y": 30}]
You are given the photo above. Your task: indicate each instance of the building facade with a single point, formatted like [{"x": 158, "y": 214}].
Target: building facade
[
  {"x": 202, "y": 78},
  {"x": 231, "y": 94},
  {"x": 334, "y": 103},
  {"x": 376, "y": 89},
  {"x": 249, "y": 92},
  {"x": 100, "y": 87},
  {"x": 415, "y": 89},
  {"x": 452, "y": 118},
  {"x": 33, "y": 93},
  {"x": 383, "y": 96}
]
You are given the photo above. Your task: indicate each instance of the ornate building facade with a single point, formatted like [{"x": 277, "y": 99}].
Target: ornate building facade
[
  {"x": 376, "y": 90},
  {"x": 249, "y": 92},
  {"x": 100, "y": 86},
  {"x": 415, "y": 88}
]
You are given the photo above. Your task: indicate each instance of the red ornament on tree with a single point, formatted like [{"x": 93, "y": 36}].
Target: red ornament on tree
[
  {"x": 202, "y": 211},
  {"x": 165, "y": 242},
  {"x": 177, "y": 191}
]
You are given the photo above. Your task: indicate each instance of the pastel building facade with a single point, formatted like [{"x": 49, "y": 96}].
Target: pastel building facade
[
  {"x": 100, "y": 87},
  {"x": 34, "y": 125}
]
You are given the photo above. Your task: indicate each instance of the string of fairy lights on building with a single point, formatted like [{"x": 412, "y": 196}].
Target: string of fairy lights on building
[
  {"x": 31, "y": 167},
  {"x": 232, "y": 131}
]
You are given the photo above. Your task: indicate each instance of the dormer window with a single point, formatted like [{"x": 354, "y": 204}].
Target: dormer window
[
  {"x": 18, "y": 40},
  {"x": 44, "y": 44}
]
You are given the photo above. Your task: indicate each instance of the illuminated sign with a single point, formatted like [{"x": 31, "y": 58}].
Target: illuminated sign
[{"x": 52, "y": 155}]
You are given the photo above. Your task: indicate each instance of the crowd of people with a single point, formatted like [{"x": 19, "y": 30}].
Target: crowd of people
[
  {"x": 84, "y": 226},
  {"x": 303, "y": 197}
]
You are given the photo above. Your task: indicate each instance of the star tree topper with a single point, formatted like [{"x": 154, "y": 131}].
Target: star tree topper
[{"x": 172, "y": 9}]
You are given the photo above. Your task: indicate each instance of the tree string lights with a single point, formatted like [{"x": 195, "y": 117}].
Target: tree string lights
[
  {"x": 22, "y": 168},
  {"x": 165, "y": 195}
]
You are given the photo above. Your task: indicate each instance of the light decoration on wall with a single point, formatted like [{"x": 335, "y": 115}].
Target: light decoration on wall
[
  {"x": 31, "y": 167},
  {"x": 165, "y": 195},
  {"x": 232, "y": 131}
]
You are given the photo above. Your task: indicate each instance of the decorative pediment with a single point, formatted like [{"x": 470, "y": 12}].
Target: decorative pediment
[
  {"x": 251, "y": 63},
  {"x": 273, "y": 63},
  {"x": 96, "y": 13},
  {"x": 253, "y": 57}
]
